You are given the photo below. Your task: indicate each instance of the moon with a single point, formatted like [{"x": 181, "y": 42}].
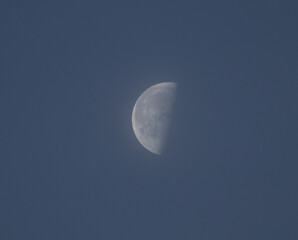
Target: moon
[{"x": 151, "y": 115}]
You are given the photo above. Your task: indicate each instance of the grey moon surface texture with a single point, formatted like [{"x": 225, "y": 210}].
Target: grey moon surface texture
[{"x": 151, "y": 116}]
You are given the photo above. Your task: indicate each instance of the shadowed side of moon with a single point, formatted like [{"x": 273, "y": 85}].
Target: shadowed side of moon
[{"x": 151, "y": 115}]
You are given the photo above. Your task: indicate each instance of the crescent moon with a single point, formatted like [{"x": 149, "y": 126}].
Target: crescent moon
[{"x": 152, "y": 114}]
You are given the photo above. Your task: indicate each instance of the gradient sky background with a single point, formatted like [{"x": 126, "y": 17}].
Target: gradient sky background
[{"x": 71, "y": 167}]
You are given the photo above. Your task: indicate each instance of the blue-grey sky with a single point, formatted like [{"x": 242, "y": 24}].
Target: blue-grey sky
[{"x": 70, "y": 165}]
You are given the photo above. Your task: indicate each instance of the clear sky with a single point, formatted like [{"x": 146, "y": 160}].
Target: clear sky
[{"x": 70, "y": 165}]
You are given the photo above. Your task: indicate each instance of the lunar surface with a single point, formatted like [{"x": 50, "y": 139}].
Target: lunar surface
[{"x": 151, "y": 115}]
